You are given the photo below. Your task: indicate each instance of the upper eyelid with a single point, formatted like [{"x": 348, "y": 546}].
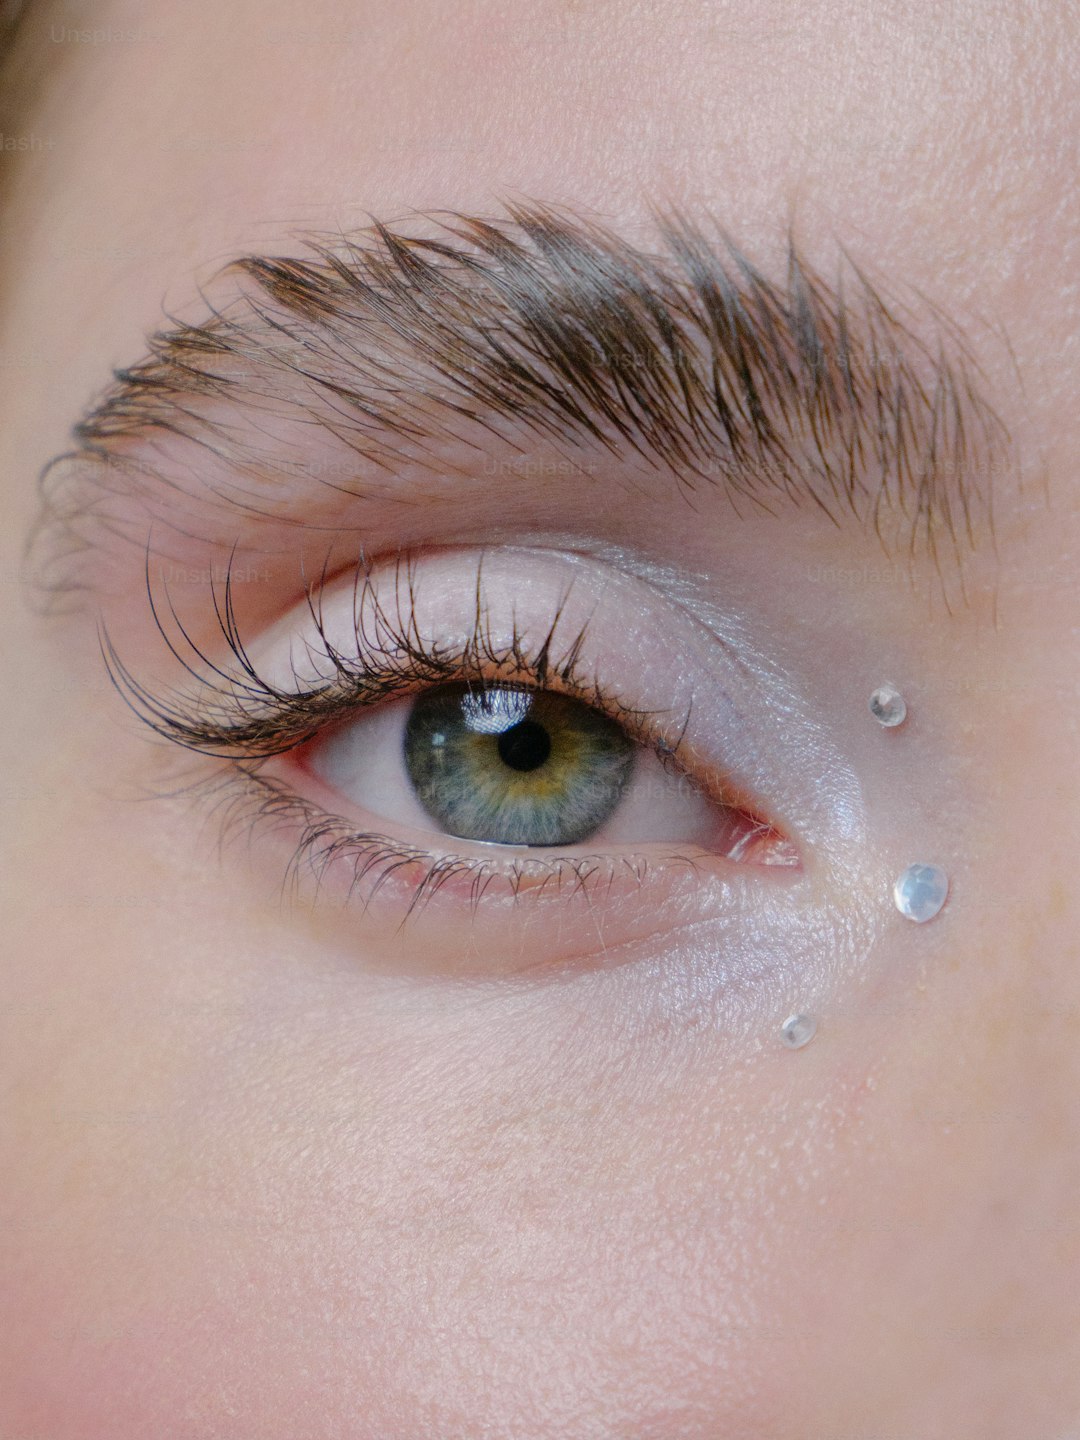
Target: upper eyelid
[{"x": 689, "y": 360}]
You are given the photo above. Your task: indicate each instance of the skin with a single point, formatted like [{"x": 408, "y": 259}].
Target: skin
[{"x": 257, "y": 1181}]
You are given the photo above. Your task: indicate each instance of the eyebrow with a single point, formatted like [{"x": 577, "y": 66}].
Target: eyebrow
[{"x": 684, "y": 358}]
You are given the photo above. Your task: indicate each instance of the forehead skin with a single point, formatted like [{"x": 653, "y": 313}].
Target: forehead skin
[{"x": 893, "y": 1259}]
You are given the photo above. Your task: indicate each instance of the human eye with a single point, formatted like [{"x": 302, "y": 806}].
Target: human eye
[
  {"x": 523, "y": 768},
  {"x": 496, "y": 741}
]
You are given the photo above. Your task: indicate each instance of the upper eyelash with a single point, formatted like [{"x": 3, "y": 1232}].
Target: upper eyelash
[{"x": 241, "y": 714}]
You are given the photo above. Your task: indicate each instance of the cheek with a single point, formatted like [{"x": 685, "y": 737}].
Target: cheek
[
  {"x": 407, "y": 1213},
  {"x": 260, "y": 1181}
]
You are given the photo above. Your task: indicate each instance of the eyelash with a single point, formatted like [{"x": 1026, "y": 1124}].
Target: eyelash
[
  {"x": 242, "y": 718},
  {"x": 257, "y": 720},
  {"x": 252, "y": 801}
]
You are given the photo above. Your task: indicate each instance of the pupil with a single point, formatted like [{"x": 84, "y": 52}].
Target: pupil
[{"x": 525, "y": 746}]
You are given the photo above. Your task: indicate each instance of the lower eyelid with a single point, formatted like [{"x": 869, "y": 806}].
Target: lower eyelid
[{"x": 463, "y": 911}]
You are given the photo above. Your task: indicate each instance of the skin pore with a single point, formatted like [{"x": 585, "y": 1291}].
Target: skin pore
[{"x": 273, "y": 1163}]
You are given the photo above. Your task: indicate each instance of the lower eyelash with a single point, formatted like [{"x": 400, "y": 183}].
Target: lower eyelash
[{"x": 246, "y": 803}]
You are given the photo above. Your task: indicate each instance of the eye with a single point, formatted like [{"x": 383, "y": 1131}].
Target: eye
[
  {"x": 525, "y": 754},
  {"x": 508, "y": 765}
]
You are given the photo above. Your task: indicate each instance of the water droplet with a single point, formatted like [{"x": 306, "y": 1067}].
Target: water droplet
[
  {"x": 920, "y": 892},
  {"x": 888, "y": 706},
  {"x": 798, "y": 1030}
]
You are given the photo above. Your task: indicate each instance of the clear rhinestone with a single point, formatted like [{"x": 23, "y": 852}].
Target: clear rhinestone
[
  {"x": 798, "y": 1030},
  {"x": 888, "y": 706},
  {"x": 920, "y": 892}
]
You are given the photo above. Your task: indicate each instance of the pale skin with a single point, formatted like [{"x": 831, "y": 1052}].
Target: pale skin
[{"x": 261, "y": 1173}]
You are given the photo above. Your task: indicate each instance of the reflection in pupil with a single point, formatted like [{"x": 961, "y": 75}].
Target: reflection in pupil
[{"x": 525, "y": 746}]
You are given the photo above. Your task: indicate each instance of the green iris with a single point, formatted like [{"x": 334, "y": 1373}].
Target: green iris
[{"x": 514, "y": 766}]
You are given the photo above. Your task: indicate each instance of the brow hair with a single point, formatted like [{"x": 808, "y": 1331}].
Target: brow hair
[{"x": 685, "y": 357}]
